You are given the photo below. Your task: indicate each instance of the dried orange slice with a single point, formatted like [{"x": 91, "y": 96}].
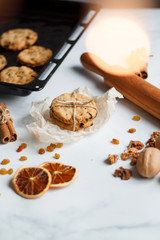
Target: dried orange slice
[
  {"x": 31, "y": 182},
  {"x": 62, "y": 175}
]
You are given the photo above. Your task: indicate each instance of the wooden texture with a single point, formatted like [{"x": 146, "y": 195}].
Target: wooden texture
[{"x": 134, "y": 88}]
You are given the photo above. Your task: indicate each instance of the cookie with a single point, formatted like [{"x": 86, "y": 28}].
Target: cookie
[
  {"x": 18, "y": 39},
  {"x": 18, "y": 75},
  {"x": 34, "y": 56},
  {"x": 3, "y": 62},
  {"x": 62, "y": 108},
  {"x": 71, "y": 127},
  {"x": 73, "y": 111}
]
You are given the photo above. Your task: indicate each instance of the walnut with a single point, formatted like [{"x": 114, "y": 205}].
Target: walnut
[
  {"x": 151, "y": 141},
  {"x": 155, "y": 134},
  {"x": 112, "y": 158},
  {"x": 123, "y": 173},
  {"x": 136, "y": 144},
  {"x": 157, "y": 143},
  {"x": 128, "y": 153},
  {"x": 148, "y": 164},
  {"x": 134, "y": 158}
]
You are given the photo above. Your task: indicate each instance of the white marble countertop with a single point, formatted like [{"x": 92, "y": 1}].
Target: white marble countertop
[{"x": 96, "y": 205}]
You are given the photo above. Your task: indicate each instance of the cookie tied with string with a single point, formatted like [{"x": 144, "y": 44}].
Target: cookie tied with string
[{"x": 73, "y": 111}]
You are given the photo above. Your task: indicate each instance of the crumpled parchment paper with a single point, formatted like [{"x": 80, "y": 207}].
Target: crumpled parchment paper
[{"x": 45, "y": 131}]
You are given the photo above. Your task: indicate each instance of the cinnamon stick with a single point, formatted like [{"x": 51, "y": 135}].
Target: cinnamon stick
[
  {"x": 5, "y": 133},
  {"x": 12, "y": 130},
  {"x": 7, "y": 130}
]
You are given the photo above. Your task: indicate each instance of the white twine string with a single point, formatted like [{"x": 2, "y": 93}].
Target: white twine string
[
  {"x": 4, "y": 115},
  {"x": 73, "y": 103}
]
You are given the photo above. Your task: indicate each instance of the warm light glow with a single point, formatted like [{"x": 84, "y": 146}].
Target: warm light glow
[{"x": 119, "y": 41}]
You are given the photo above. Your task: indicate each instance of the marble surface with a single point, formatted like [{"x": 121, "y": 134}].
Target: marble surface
[{"x": 96, "y": 205}]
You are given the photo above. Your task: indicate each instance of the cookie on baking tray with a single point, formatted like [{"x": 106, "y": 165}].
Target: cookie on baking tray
[
  {"x": 73, "y": 111},
  {"x": 18, "y": 75},
  {"x": 18, "y": 39},
  {"x": 34, "y": 56},
  {"x": 3, "y": 62}
]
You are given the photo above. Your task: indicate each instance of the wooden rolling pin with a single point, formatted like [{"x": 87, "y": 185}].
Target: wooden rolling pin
[{"x": 136, "y": 89}]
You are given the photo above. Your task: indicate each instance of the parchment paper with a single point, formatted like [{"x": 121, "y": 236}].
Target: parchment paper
[{"x": 45, "y": 131}]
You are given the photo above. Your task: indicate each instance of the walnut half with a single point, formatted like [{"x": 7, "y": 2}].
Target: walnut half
[{"x": 123, "y": 173}]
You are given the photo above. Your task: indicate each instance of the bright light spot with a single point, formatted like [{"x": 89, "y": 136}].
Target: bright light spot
[{"x": 119, "y": 41}]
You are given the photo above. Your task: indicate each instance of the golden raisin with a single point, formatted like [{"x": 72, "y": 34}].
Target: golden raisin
[
  {"x": 10, "y": 171},
  {"x": 24, "y": 145},
  {"x": 59, "y": 145},
  {"x": 23, "y": 158},
  {"x": 5, "y": 161},
  {"x": 41, "y": 151},
  {"x": 50, "y": 148},
  {"x": 132, "y": 130},
  {"x": 136, "y": 118},
  {"x": 57, "y": 155},
  {"x": 115, "y": 141},
  {"x": 53, "y": 145},
  {"x": 3, "y": 171},
  {"x": 20, "y": 148}
]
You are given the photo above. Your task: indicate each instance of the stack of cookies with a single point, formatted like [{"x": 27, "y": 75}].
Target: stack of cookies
[
  {"x": 32, "y": 56},
  {"x": 73, "y": 111}
]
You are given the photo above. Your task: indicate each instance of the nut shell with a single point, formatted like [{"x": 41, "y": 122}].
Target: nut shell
[
  {"x": 157, "y": 143},
  {"x": 148, "y": 162}
]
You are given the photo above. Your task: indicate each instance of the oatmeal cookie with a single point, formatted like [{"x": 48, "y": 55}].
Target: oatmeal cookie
[
  {"x": 3, "y": 62},
  {"x": 78, "y": 126},
  {"x": 34, "y": 56},
  {"x": 18, "y": 75},
  {"x": 70, "y": 108},
  {"x": 18, "y": 39}
]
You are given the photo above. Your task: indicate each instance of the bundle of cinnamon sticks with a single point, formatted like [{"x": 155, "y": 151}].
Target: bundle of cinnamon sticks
[{"x": 7, "y": 131}]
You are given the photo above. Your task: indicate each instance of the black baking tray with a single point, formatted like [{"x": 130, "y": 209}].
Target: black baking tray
[{"x": 54, "y": 21}]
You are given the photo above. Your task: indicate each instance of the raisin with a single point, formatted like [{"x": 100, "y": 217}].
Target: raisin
[
  {"x": 81, "y": 125},
  {"x": 20, "y": 148},
  {"x": 10, "y": 171},
  {"x": 23, "y": 158},
  {"x": 57, "y": 155},
  {"x": 53, "y": 145},
  {"x": 132, "y": 130},
  {"x": 50, "y": 148},
  {"x": 5, "y": 161},
  {"x": 3, "y": 171},
  {"x": 24, "y": 145},
  {"x": 41, "y": 151},
  {"x": 136, "y": 118},
  {"x": 115, "y": 141},
  {"x": 59, "y": 145}
]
